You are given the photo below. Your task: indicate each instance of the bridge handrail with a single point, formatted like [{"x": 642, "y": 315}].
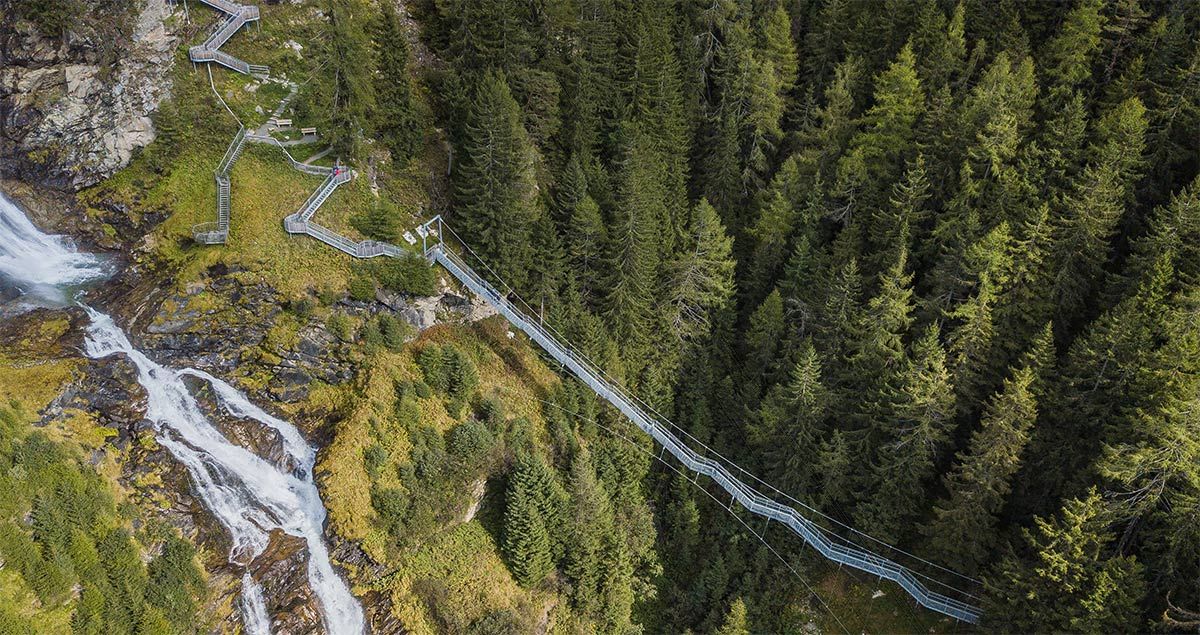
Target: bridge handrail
[
  {"x": 315, "y": 170},
  {"x": 224, "y": 5},
  {"x": 752, "y": 500}
]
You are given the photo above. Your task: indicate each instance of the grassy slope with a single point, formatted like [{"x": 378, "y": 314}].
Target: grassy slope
[
  {"x": 30, "y": 382},
  {"x": 461, "y": 562},
  {"x": 33, "y": 372}
]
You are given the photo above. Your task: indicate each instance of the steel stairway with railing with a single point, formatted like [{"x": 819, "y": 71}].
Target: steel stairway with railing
[{"x": 209, "y": 51}]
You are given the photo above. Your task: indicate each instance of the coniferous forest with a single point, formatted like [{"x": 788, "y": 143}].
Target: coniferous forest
[{"x": 930, "y": 267}]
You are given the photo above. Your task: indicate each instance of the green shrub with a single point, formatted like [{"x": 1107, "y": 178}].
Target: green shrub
[
  {"x": 339, "y": 325},
  {"x": 362, "y": 289},
  {"x": 409, "y": 274},
  {"x": 394, "y": 331},
  {"x": 380, "y": 222},
  {"x": 471, "y": 442},
  {"x": 302, "y": 307},
  {"x": 433, "y": 367},
  {"x": 490, "y": 410},
  {"x": 461, "y": 376},
  {"x": 327, "y": 296},
  {"x": 374, "y": 458},
  {"x": 391, "y": 504},
  {"x": 174, "y": 581},
  {"x": 52, "y": 17},
  {"x": 497, "y": 622},
  {"x": 370, "y": 334}
]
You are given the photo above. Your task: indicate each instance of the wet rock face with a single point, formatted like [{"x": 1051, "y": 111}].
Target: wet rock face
[
  {"x": 282, "y": 570},
  {"x": 228, "y": 326},
  {"x": 75, "y": 108}
]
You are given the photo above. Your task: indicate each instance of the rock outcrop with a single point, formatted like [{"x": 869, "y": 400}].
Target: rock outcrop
[{"x": 75, "y": 107}]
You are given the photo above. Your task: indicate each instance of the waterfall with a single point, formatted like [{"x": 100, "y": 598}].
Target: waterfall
[
  {"x": 249, "y": 495},
  {"x": 40, "y": 264}
]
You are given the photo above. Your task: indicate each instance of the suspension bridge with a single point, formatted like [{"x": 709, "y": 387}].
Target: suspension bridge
[
  {"x": 829, "y": 545},
  {"x": 935, "y": 594}
]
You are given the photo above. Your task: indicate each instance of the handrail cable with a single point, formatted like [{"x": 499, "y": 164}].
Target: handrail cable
[
  {"x": 751, "y": 499},
  {"x": 565, "y": 342}
]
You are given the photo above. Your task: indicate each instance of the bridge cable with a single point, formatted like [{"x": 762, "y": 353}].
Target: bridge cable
[
  {"x": 454, "y": 261},
  {"x": 636, "y": 399},
  {"x": 825, "y": 531},
  {"x": 846, "y": 570},
  {"x": 564, "y": 341}
]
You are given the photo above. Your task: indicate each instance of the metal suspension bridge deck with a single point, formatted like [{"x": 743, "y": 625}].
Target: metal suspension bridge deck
[{"x": 831, "y": 547}]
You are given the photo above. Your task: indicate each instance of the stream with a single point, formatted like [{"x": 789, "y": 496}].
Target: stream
[{"x": 250, "y": 496}]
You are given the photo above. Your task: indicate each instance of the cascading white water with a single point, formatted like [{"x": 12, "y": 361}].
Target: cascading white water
[
  {"x": 41, "y": 264},
  {"x": 248, "y": 495},
  {"x": 254, "y": 607}
]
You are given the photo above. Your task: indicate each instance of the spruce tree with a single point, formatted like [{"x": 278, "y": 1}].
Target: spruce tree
[
  {"x": 939, "y": 43},
  {"x": 1063, "y": 579},
  {"x": 963, "y": 529},
  {"x": 396, "y": 122},
  {"x": 971, "y": 343},
  {"x": 735, "y": 620},
  {"x": 526, "y": 539},
  {"x": 1109, "y": 374},
  {"x": 352, "y": 96},
  {"x": 589, "y": 521},
  {"x": 1071, "y": 53},
  {"x": 866, "y": 172},
  {"x": 763, "y": 340},
  {"x": 913, "y": 444},
  {"x": 493, "y": 181},
  {"x": 701, "y": 278},
  {"x": 780, "y": 50},
  {"x": 791, "y": 423},
  {"x": 1082, "y": 238},
  {"x": 635, "y": 239},
  {"x": 878, "y": 357},
  {"x": 586, "y": 236}
]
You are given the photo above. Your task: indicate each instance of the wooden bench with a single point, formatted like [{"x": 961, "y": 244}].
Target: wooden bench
[
  {"x": 283, "y": 123},
  {"x": 308, "y": 131}
]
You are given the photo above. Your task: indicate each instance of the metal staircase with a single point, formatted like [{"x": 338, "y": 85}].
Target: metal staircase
[
  {"x": 209, "y": 51},
  {"x": 336, "y": 177},
  {"x": 217, "y": 233}
]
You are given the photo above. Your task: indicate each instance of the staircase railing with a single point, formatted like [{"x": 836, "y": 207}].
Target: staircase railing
[
  {"x": 209, "y": 51},
  {"x": 233, "y": 151}
]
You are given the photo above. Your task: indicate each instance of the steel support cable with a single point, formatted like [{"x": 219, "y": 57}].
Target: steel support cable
[
  {"x": 904, "y": 577},
  {"x": 563, "y": 342},
  {"x": 577, "y": 415},
  {"x": 727, "y": 507},
  {"x": 854, "y": 557}
]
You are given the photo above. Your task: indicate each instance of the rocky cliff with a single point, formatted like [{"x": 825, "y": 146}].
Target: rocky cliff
[{"x": 76, "y": 104}]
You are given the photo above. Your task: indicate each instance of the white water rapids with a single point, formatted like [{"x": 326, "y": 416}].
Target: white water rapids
[
  {"x": 42, "y": 265},
  {"x": 249, "y": 495}
]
